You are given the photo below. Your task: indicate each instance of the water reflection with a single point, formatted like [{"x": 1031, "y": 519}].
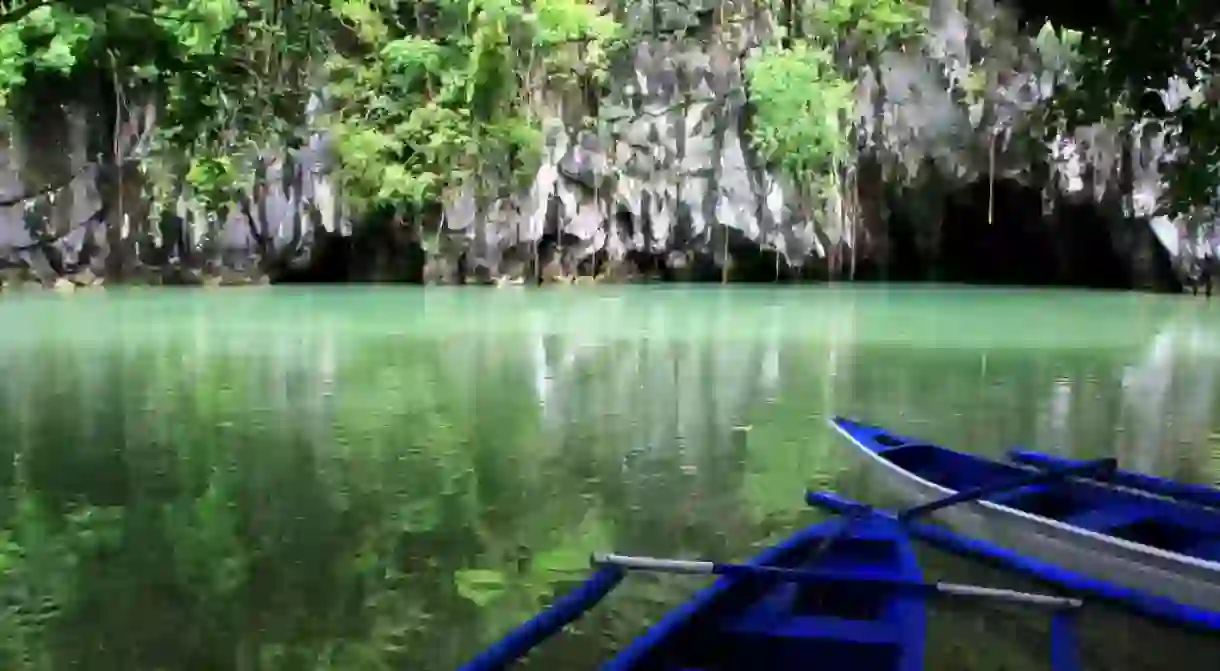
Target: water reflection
[{"x": 389, "y": 479}]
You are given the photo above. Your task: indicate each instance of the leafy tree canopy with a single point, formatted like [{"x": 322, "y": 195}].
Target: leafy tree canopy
[
  {"x": 421, "y": 96},
  {"x": 430, "y": 95},
  {"x": 1141, "y": 56}
]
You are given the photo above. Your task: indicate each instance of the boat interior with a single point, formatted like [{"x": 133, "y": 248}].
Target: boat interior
[
  {"x": 769, "y": 624},
  {"x": 1167, "y": 525}
]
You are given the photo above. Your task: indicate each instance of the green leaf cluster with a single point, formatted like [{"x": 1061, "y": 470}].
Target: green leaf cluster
[
  {"x": 227, "y": 77},
  {"x": 802, "y": 106},
  {"x": 449, "y": 105},
  {"x": 803, "y": 89},
  {"x": 876, "y": 23},
  {"x": 419, "y": 96}
]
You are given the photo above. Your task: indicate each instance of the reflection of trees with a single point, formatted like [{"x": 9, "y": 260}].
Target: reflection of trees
[
  {"x": 250, "y": 511},
  {"x": 1170, "y": 397},
  {"x": 1149, "y": 404},
  {"x": 325, "y": 483},
  {"x": 1017, "y": 637},
  {"x": 218, "y": 533},
  {"x": 246, "y": 496}
]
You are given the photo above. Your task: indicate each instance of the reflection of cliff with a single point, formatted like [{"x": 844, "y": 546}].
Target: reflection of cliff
[
  {"x": 1169, "y": 398},
  {"x": 395, "y": 478},
  {"x": 672, "y": 365}
]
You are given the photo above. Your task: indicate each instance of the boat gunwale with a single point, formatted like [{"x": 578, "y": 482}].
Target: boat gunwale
[
  {"x": 1155, "y": 607},
  {"x": 1026, "y": 516},
  {"x": 1189, "y": 501}
]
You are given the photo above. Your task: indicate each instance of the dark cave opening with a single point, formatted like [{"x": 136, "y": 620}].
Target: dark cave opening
[
  {"x": 1094, "y": 257},
  {"x": 906, "y": 262},
  {"x": 1078, "y": 244},
  {"x": 1014, "y": 247},
  {"x": 754, "y": 263},
  {"x": 330, "y": 262},
  {"x": 1020, "y": 246}
]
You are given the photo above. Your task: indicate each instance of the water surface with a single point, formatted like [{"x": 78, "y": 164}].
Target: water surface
[{"x": 390, "y": 478}]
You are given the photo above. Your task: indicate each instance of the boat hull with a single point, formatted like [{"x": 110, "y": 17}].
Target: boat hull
[
  {"x": 1182, "y": 579},
  {"x": 740, "y": 623}
]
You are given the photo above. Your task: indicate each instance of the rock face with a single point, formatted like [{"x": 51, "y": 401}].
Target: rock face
[
  {"x": 666, "y": 180},
  {"x": 655, "y": 177},
  {"x": 63, "y": 215}
]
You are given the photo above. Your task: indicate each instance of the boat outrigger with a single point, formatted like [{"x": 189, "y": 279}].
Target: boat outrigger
[
  {"x": 847, "y": 592},
  {"x": 1186, "y": 492}
]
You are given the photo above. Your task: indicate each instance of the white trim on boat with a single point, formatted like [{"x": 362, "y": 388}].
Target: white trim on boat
[{"x": 1021, "y": 514}]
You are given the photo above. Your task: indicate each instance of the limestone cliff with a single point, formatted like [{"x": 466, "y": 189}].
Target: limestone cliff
[{"x": 655, "y": 176}]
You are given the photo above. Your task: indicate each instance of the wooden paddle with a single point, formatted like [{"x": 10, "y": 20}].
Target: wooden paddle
[{"x": 819, "y": 576}]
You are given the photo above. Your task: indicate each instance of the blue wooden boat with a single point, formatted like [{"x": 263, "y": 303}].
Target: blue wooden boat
[
  {"x": 859, "y": 618},
  {"x": 846, "y": 594},
  {"x": 1180, "y": 491},
  {"x": 1151, "y": 606},
  {"x": 1150, "y": 545}
]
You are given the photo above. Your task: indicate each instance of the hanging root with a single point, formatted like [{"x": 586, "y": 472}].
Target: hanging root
[{"x": 991, "y": 180}]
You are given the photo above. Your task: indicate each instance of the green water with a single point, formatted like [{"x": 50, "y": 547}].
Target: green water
[{"x": 391, "y": 478}]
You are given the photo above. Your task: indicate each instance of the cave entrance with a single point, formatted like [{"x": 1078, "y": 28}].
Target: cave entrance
[{"x": 1073, "y": 246}]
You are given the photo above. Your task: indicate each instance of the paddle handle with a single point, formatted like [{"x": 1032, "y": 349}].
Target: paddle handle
[
  {"x": 1050, "y": 601},
  {"x": 654, "y": 563},
  {"x": 1151, "y": 484},
  {"x": 697, "y": 567}
]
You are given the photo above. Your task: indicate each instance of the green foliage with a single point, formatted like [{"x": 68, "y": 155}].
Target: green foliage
[
  {"x": 803, "y": 91},
  {"x": 1124, "y": 63},
  {"x": 62, "y": 36},
  {"x": 422, "y": 113},
  {"x": 802, "y": 106},
  {"x": 230, "y": 76},
  {"x": 875, "y": 23},
  {"x": 421, "y": 98},
  {"x": 50, "y": 38},
  {"x": 431, "y": 95},
  {"x": 1194, "y": 182}
]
